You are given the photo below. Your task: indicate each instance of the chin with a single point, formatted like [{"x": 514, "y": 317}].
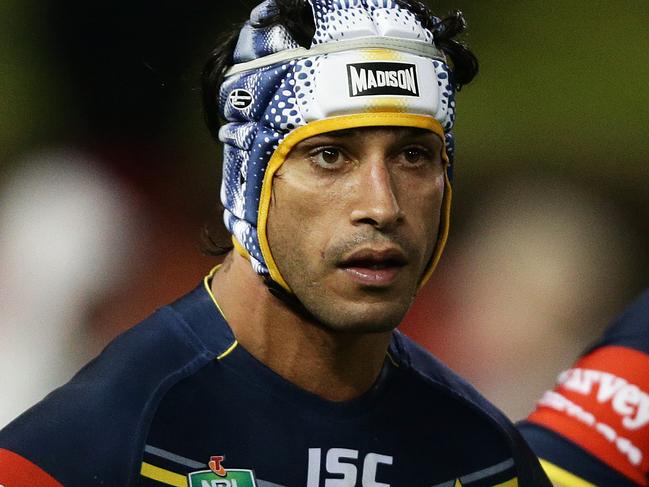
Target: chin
[
  {"x": 356, "y": 309},
  {"x": 377, "y": 318}
]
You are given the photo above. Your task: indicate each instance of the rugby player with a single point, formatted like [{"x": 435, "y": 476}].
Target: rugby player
[
  {"x": 283, "y": 368},
  {"x": 593, "y": 428}
]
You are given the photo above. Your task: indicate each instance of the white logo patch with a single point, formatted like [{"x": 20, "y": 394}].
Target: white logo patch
[
  {"x": 383, "y": 78},
  {"x": 240, "y": 99}
]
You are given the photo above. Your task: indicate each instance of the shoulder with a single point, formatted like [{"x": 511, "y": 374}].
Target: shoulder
[
  {"x": 433, "y": 374},
  {"x": 480, "y": 420},
  {"x": 630, "y": 329},
  {"x": 90, "y": 431},
  {"x": 593, "y": 426}
]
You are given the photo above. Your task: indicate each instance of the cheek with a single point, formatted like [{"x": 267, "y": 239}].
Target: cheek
[
  {"x": 437, "y": 196},
  {"x": 436, "y": 201},
  {"x": 423, "y": 205},
  {"x": 421, "y": 201},
  {"x": 299, "y": 218}
]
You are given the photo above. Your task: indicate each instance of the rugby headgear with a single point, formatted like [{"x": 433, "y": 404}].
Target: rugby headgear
[{"x": 370, "y": 63}]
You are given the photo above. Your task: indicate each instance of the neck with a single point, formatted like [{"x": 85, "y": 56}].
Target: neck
[{"x": 333, "y": 365}]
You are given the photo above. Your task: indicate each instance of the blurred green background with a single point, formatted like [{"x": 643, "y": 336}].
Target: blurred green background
[
  {"x": 562, "y": 87},
  {"x": 562, "y": 84}
]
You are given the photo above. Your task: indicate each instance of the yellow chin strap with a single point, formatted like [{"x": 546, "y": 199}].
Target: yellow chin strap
[{"x": 377, "y": 119}]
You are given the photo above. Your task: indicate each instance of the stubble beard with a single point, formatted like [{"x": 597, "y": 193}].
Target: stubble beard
[{"x": 336, "y": 313}]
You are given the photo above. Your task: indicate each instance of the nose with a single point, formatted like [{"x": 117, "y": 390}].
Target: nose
[{"x": 376, "y": 203}]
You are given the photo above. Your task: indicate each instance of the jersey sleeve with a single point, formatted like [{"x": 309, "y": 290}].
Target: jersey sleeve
[
  {"x": 17, "y": 471},
  {"x": 593, "y": 427},
  {"x": 91, "y": 431}
]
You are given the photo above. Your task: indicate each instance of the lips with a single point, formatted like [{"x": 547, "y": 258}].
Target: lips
[{"x": 374, "y": 267}]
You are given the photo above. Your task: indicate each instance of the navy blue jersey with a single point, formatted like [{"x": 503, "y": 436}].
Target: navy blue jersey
[
  {"x": 593, "y": 428},
  {"x": 176, "y": 401}
]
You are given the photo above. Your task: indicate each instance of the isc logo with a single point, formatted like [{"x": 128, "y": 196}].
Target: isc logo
[{"x": 345, "y": 462}]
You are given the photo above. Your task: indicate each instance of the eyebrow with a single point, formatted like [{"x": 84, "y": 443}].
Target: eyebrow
[{"x": 410, "y": 131}]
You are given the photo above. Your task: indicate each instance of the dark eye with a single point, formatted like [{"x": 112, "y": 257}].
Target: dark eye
[
  {"x": 327, "y": 157},
  {"x": 413, "y": 156}
]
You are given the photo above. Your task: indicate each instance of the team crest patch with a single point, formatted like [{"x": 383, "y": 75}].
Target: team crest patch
[
  {"x": 235, "y": 477},
  {"x": 372, "y": 79},
  {"x": 219, "y": 476}
]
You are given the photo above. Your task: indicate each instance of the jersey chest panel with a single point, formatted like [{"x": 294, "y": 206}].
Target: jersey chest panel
[{"x": 238, "y": 416}]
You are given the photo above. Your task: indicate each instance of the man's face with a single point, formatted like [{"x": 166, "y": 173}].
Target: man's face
[{"x": 353, "y": 223}]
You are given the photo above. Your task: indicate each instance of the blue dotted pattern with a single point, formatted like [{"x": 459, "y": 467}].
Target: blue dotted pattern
[
  {"x": 389, "y": 17},
  {"x": 255, "y": 42},
  {"x": 281, "y": 94}
]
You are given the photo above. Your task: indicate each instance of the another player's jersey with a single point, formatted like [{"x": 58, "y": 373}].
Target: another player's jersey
[
  {"x": 593, "y": 428},
  {"x": 176, "y": 401}
]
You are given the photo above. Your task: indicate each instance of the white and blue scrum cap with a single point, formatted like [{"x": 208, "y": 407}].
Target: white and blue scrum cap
[{"x": 371, "y": 63}]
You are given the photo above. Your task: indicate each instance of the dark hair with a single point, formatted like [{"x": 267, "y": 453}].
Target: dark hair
[{"x": 297, "y": 17}]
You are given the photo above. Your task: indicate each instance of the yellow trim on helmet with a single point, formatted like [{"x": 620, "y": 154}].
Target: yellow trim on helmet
[
  {"x": 380, "y": 104},
  {"x": 239, "y": 248},
  {"x": 380, "y": 54},
  {"x": 341, "y": 123},
  {"x": 444, "y": 225}
]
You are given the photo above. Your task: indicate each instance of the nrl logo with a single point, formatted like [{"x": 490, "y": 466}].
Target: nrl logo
[
  {"x": 367, "y": 79},
  {"x": 219, "y": 476}
]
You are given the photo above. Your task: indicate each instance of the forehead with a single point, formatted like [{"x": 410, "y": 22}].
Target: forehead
[{"x": 363, "y": 134}]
